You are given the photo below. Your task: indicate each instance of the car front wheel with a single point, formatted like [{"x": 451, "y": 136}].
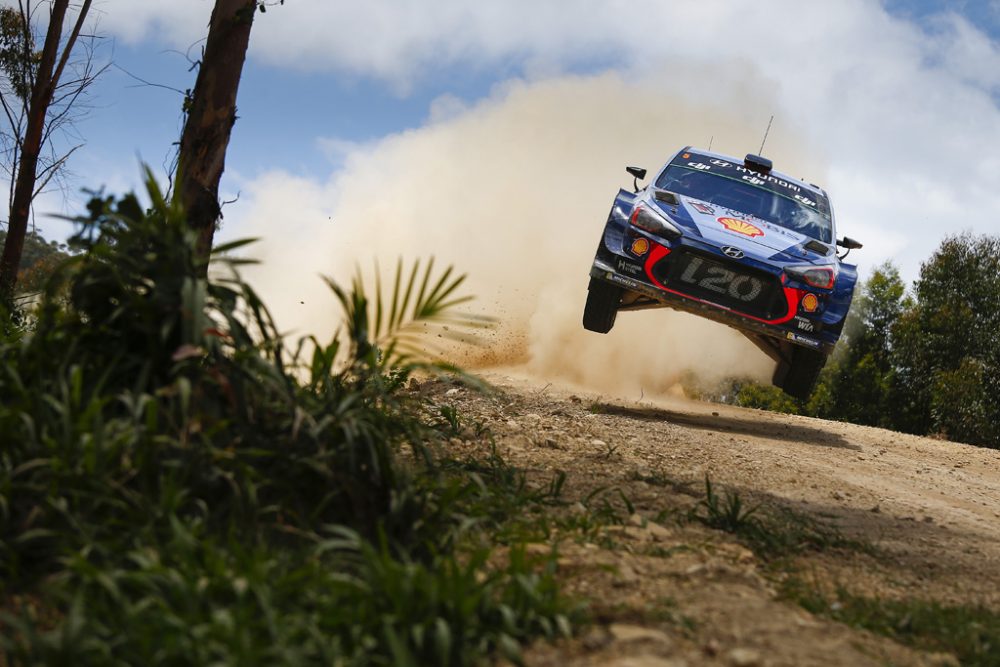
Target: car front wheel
[{"x": 602, "y": 306}]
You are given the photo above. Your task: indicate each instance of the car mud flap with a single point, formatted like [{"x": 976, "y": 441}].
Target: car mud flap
[
  {"x": 780, "y": 374},
  {"x": 780, "y": 352}
]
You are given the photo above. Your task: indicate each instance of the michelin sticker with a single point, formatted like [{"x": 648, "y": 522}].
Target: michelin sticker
[
  {"x": 621, "y": 280},
  {"x": 801, "y": 339}
]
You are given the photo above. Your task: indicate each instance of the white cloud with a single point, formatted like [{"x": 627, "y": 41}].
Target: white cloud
[
  {"x": 967, "y": 53},
  {"x": 177, "y": 23},
  {"x": 904, "y": 117},
  {"x": 338, "y": 150}
]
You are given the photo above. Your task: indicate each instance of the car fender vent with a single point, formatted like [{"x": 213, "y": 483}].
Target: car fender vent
[
  {"x": 666, "y": 197},
  {"x": 818, "y": 247}
]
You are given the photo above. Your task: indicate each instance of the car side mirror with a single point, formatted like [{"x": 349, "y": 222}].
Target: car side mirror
[
  {"x": 637, "y": 173},
  {"x": 849, "y": 243}
]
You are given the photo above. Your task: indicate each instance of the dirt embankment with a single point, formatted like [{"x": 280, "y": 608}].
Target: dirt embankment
[{"x": 667, "y": 591}]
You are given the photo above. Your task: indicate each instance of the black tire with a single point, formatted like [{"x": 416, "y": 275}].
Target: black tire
[
  {"x": 602, "y": 306},
  {"x": 798, "y": 377}
]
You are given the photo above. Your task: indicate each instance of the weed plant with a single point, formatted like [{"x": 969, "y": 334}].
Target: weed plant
[
  {"x": 970, "y": 633},
  {"x": 773, "y": 533},
  {"x": 179, "y": 485}
]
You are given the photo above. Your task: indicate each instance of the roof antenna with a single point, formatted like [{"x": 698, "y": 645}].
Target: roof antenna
[
  {"x": 761, "y": 151},
  {"x": 710, "y": 140}
]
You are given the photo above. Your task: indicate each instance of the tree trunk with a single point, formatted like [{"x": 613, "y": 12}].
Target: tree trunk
[
  {"x": 45, "y": 83},
  {"x": 211, "y": 116},
  {"x": 24, "y": 188}
]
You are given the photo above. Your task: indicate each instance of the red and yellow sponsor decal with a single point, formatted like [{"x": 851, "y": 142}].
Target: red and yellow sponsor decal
[
  {"x": 741, "y": 227},
  {"x": 810, "y": 302},
  {"x": 640, "y": 246}
]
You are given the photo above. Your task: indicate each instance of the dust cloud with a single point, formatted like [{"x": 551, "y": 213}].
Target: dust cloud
[{"x": 514, "y": 191}]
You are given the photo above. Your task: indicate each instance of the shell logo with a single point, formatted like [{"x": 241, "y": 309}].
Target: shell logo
[
  {"x": 810, "y": 302},
  {"x": 741, "y": 227}
]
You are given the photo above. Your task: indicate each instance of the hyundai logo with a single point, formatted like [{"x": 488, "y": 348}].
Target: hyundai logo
[{"x": 730, "y": 251}]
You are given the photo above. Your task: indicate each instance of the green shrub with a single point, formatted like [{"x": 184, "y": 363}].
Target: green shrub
[
  {"x": 970, "y": 633},
  {"x": 194, "y": 600},
  {"x": 766, "y": 397},
  {"x": 171, "y": 473}
]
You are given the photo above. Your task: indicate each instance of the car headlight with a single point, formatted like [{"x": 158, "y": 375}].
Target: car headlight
[
  {"x": 822, "y": 277},
  {"x": 647, "y": 219}
]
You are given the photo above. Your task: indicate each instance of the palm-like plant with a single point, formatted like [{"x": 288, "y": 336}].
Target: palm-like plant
[{"x": 396, "y": 330}]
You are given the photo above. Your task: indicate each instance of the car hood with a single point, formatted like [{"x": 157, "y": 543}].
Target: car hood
[{"x": 726, "y": 227}]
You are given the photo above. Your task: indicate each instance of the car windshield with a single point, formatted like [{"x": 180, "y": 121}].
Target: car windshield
[{"x": 807, "y": 215}]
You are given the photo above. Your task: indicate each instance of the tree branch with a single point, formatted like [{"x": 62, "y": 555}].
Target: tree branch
[
  {"x": 77, "y": 27},
  {"x": 48, "y": 173},
  {"x": 144, "y": 81},
  {"x": 15, "y": 127}
]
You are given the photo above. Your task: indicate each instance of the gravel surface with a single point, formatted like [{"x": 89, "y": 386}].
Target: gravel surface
[{"x": 669, "y": 592}]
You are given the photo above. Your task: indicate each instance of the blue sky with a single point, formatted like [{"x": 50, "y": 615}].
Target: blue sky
[
  {"x": 282, "y": 113},
  {"x": 982, "y": 13},
  {"x": 287, "y": 106},
  {"x": 285, "y": 110},
  {"x": 891, "y": 106},
  {"x": 492, "y": 135}
]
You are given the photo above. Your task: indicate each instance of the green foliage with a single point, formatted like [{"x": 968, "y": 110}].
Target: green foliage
[
  {"x": 765, "y": 397},
  {"x": 392, "y": 332},
  {"x": 860, "y": 384},
  {"x": 927, "y": 364},
  {"x": 961, "y": 404},
  {"x": 179, "y": 485},
  {"x": 194, "y": 600},
  {"x": 971, "y": 634},
  {"x": 772, "y": 532},
  {"x": 728, "y": 514},
  {"x": 947, "y": 357},
  {"x": 822, "y": 402},
  {"x": 39, "y": 260},
  {"x": 854, "y": 386},
  {"x": 18, "y": 57}
]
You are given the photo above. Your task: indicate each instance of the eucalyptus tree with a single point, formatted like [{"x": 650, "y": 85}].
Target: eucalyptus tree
[
  {"x": 211, "y": 114},
  {"x": 42, "y": 93}
]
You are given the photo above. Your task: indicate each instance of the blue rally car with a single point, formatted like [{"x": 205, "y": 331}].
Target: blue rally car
[{"x": 736, "y": 242}]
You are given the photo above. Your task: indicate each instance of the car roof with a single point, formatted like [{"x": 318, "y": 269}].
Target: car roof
[{"x": 812, "y": 187}]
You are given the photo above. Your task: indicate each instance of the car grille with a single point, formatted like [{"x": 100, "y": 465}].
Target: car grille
[{"x": 723, "y": 282}]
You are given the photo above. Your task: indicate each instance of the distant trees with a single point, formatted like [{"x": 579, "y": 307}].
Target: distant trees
[
  {"x": 38, "y": 260},
  {"x": 947, "y": 357},
  {"x": 38, "y": 92},
  {"x": 860, "y": 384},
  {"x": 926, "y": 363},
  {"x": 38, "y": 99}
]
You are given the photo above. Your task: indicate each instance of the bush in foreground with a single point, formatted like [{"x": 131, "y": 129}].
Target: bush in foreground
[{"x": 178, "y": 486}]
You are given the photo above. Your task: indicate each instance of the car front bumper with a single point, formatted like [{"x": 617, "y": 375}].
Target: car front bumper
[{"x": 611, "y": 268}]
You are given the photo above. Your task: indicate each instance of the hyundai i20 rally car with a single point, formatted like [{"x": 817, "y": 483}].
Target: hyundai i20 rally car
[{"x": 736, "y": 242}]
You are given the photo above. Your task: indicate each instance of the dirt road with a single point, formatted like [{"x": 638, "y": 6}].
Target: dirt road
[{"x": 665, "y": 591}]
